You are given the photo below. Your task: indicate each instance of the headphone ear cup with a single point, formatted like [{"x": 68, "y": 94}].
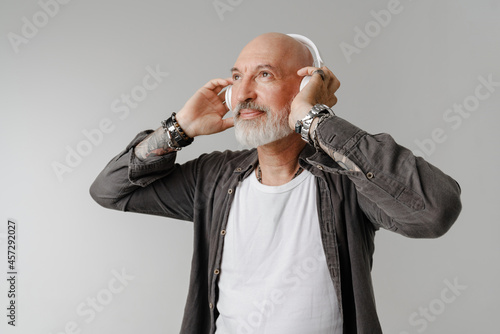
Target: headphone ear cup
[
  {"x": 304, "y": 81},
  {"x": 229, "y": 90}
]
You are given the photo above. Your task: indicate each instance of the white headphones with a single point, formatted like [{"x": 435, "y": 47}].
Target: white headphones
[{"x": 318, "y": 62}]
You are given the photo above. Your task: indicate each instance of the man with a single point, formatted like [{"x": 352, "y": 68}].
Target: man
[{"x": 283, "y": 234}]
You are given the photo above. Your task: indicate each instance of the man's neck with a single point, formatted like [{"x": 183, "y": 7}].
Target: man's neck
[{"x": 279, "y": 160}]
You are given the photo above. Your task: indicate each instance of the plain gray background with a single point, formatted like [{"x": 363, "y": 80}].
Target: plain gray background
[{"x": 67, "y": 76}]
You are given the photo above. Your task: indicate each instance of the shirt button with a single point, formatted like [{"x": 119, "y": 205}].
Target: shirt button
[
  {"x": 211, "y": 305},
  {"x": 223, "y": 232},
  {"x": 319, "y": 167},
  {"x": 216, "y": 271},
  {"x": 230, "y": 191},
  {"x": 370, "y": 175},
  {"x": 238, "y": 169}
]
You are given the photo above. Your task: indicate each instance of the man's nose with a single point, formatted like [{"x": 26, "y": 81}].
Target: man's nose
[{"x": 245, "y": 91}]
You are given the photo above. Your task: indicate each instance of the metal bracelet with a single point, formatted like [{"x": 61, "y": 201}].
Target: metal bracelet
[
  {"x": 174, "y": 132},
  {"x": 302, "y": 126},
  {"x": 171, "y": 143}
]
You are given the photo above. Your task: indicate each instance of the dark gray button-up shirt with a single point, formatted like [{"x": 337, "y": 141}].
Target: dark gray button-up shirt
[{"x": 391, "y": 188}]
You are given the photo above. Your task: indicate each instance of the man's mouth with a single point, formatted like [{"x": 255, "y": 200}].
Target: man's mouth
[{"x": 250, "y": 113}]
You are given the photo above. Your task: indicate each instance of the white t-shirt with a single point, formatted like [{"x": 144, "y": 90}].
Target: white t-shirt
[{"x": 274, "y": 277}]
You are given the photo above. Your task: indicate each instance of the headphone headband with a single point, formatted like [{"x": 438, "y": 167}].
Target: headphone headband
[{"x": 318, "y": 62}]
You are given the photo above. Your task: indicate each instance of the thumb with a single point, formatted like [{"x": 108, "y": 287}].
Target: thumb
[{"x": 227, "y": 123}]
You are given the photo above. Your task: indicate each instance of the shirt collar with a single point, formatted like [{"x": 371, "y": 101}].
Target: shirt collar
[{"x": 309, "y": 159}]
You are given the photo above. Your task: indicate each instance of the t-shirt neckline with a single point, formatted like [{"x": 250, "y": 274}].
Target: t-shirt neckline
[{"x": 282, "y": 188}]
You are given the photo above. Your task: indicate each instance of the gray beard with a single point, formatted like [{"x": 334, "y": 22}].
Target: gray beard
[{"x": 262, "y": 130}]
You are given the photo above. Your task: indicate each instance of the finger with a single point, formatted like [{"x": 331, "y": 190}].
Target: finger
[
  {"x": 333, "y": 84},
  {"x": 308, "y": 70},
  {"x": 321, "y": 73},
  {"x": 333, "y": 80},
  {"x": 222, "y": 99},
  {"x": 228, "y": 123},
  {"x": 222, "y": 96},
  {"x": 222, "y": 93},
  {"x": 219, "y": 89},
  {"x": 218, "y": 83},
  {"x": 318, "y": 79},
  {"x": 331, "y": 75},
  {"x": 223, "y": 102}
]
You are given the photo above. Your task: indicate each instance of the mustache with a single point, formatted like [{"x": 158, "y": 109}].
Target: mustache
[{"x": 250, "y": 105}]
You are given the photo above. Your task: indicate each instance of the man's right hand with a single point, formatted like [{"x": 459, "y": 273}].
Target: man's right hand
[{"x": 203, "y": 113}]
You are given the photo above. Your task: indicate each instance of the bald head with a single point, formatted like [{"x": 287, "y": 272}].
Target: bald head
[{"x": 280, "y": 49}]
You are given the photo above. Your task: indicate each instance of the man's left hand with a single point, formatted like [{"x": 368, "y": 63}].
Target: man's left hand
[{"x": 320, "y": 89}]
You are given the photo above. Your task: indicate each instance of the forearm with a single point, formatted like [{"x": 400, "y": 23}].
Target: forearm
[
  {"x": 154, "y": 145},
  {"x": 126, "y": 174},
  {"x": 397, "y": 190}
]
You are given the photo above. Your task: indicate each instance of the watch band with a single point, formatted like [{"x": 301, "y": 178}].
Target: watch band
[{"x": 303, "y": 126}]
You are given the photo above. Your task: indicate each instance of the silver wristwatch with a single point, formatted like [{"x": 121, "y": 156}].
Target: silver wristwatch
[{"x": 303, "y": 125}]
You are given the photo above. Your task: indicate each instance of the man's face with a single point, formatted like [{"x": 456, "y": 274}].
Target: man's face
[
  {"x": 265, "y": 81},
  {"x": 263, "y": 127}
]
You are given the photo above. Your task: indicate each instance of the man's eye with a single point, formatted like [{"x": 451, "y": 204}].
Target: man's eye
[
  {"x": 236, "y": 77},
  {"x": 266, "y": 74}
]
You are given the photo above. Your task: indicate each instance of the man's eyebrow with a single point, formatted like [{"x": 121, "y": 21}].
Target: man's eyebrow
[{"x": 260, "y": 67}]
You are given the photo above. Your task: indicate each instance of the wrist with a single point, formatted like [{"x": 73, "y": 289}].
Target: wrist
[
  {"x": 184, "y": 124},
  {"x": 177, "y": 138},
  {"x": 299, "y": 112},
  {"x": 307, "y": 125}
]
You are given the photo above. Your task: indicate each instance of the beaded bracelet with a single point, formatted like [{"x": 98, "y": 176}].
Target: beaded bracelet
[
  {"x": 184, "y": 136},
  {"x": 177, "y": 136}
]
